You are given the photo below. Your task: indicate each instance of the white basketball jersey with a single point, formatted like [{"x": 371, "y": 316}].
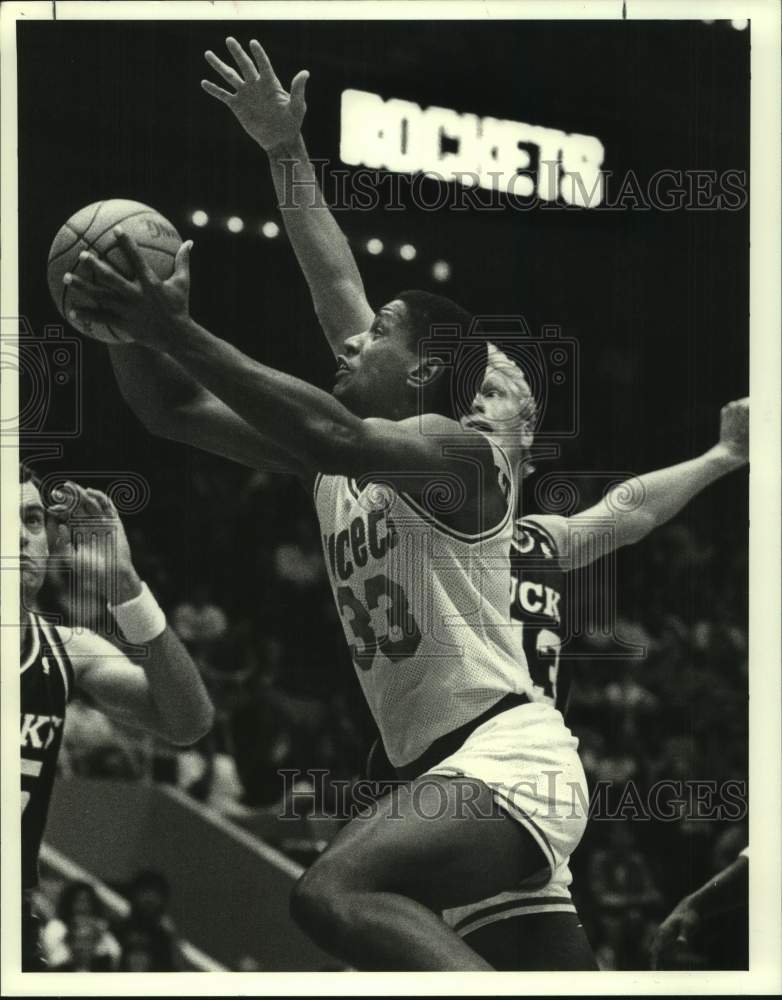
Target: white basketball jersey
[{"x": 425, "y": 609}]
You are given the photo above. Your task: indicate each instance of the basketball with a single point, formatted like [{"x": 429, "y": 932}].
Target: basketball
[{"x": 91, "y": 229}]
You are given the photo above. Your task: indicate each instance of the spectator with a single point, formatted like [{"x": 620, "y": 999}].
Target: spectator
[
  {"x": 138, "y": 953},
  {"x": 78, "y": 900},
  {"x": 199, "y": 623},
  {"x": 620, "y": 876},
  {"x": 299, "y": 563},
  {"x": 149, "y": 928},
  {"x": 82, "y": 940}
]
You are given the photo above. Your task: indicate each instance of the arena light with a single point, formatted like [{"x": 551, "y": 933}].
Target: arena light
[
  {"x": 199, "y": 218},
  {"x": 375, "y": 246},
  {"x": 739, "y": 23},
  {"x": 441, "y": 270},
  {"x": 270, "y": 230},
  {"x": 407, "y": 251},
  {"x": 235, "y": 224}
]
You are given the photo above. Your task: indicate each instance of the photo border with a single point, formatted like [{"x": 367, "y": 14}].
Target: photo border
[{"x": 765, "y": 975}]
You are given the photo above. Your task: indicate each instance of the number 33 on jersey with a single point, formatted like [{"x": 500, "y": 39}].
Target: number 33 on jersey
[{"x": 424, "y": 608}]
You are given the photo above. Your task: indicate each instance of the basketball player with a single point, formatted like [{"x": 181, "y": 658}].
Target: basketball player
[
  {"x": 164, "y": 695},
  {"x": 422, "y": 590},
  {"x": 544, "y": 546}
]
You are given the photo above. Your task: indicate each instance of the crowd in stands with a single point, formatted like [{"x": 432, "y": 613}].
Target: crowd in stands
[
  {"x": 253, "y": 605},
  {"x": 80, "y": 933}
]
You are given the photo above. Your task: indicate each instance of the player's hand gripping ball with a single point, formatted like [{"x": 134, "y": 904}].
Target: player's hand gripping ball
[{"x": 92, "y": 229}]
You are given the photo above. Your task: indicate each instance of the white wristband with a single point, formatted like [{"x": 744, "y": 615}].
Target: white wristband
[{"x": 141, "y": 619}]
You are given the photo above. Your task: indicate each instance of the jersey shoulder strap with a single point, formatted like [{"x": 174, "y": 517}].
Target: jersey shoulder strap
[
  {"x": 53, "y": 647},
  {"x": 505, "y": 481}
]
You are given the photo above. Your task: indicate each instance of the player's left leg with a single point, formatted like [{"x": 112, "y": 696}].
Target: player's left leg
[
  {"x": 535, "y": 942},
  {"x": 532, "y": 927},
  {"x": 373, "y": 899}
]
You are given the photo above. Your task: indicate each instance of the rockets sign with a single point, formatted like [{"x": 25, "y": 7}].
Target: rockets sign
[{"x": 529, "y": 161}]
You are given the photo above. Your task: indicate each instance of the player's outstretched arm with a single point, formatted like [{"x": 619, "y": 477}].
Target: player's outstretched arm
[
  {"x": 273, "y": 116},
  {"x": 726, "y": 891},
  {"x": 165, "y": 694},
  {"x": 639, "y": 505}
]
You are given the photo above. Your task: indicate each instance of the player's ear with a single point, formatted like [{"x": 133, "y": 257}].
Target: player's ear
[{"x": 425, "y": 373}]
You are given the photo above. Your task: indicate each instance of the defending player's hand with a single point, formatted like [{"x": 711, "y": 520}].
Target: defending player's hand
[
  {"x": 734, "y": 431},
  {"x": 674, "y": 932},
  {"x": 91, "y": 539},
  {"x": 263, "y": 107},
  {"x": 144, "y": 307}
]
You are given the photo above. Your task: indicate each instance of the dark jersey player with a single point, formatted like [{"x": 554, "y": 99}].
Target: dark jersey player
[
  {"x": 545, "y": 547},
  {"x": 164, "y": 696}
]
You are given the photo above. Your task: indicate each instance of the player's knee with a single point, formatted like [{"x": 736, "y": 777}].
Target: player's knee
[{"x": 318, "y": 903}]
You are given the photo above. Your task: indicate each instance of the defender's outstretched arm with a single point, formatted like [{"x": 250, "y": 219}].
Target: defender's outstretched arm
[{"x": 639, "y": 505}]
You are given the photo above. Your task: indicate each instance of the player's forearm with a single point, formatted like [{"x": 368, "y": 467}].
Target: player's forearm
[
  {"x": 302, "y": 420},
  {"x": 152, "y": 384},
  {"x": 726, "y": 891},
  {"x": 644, "y": 503},
  {"x": 321, "y": 247},
  {"x": 178, "y": 700},
  {"x": 173, "y": 405},
  {"x": 183, "y": 708}
]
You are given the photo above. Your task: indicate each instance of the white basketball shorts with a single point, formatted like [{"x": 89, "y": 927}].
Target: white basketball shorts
[{"x": 528, "y": 757}]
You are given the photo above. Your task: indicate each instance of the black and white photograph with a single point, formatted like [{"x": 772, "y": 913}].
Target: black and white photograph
[{"x": 391, "y": 589}]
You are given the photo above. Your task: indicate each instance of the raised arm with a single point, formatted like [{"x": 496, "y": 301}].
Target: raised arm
[
  {"x": 164, "y": 694},
  {"x": 273, "y": 118},
  {"x": 639, "y": 505}
]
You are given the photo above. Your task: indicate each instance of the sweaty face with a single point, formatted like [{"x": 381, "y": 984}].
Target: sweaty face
[
  {"x": 371, "y": 378},
  {"x": 33, "y": 541}
]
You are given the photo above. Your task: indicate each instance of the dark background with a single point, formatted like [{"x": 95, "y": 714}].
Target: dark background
[{"x": 658, "y": 301}]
